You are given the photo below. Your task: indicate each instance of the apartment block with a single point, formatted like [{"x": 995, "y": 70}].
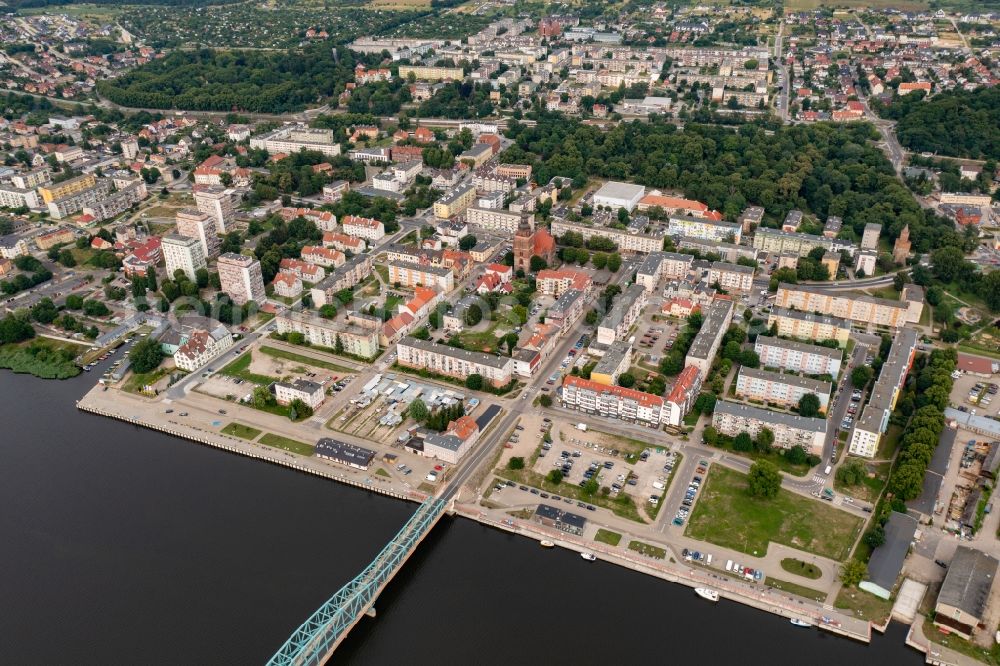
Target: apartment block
[
  {"x": 623, "y": 314},
  {"x": 798, "y": 356},
  {"x": 731, "y": 277},
  {"x": 182, "y": 253},
  {"x": 14, "y": 197},
  {"x": 241, "y": 278},
  {"x": 494, "y": 218},
  {"x": 295, "y": 138},
  {"x": 217, "y": 202},
  {"x": 78, "y": 198},
  {"x": 659, "y": 265},
  {"x": 780, "y": 389},
  {"x": 861, "y": 309},
  {"x": 354, "y": 270},
  {"x": 363, "y": 227},
  {"x": 420, "y": 275},
  {"x": 454, "y": 362},
  {"x": 874, "y": 419},
  {"x": 201, "y": 347},
  {"x": 615, "y": 402},
  {"x": 707, "y": 229},
  {"x": 705, "y": 345},
  {"x": 431, "y": 73},
  {"x": 777, "y": 241},
  {"x": 557, "y": 282},
  {"x": 323, "y": 256},
  {"x": 355, "y": 340},
  {"x": 311, "y": 393},
  {"x": 195, "y": 224},
  {"x": 616, "y": 360},
  {"x": 809, "y": 326},
  {"x": 682, "y": 396},
  {"x": 626, "y": 242},
  {"x": 732, "y": 418},
  {"x": 567, "y": 310},
  {"x": 455, "y": 202},
  {"x": 67, "y": 188}
]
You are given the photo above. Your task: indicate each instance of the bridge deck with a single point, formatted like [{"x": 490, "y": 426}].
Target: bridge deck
[{"x": 318, "y": 636}]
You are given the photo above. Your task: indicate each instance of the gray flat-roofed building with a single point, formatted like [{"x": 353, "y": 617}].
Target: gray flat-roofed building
[
  {"x": 623, "y": 315},
  {"x": 615, "y": 361},
  {"x": 344, "y": 453},
  {"x": 886, "y": 562},
  {"x": 732, "y": 418},
  {"x": 923, "y": 506},
  {"x": 780, "y": 388},
  {"x": 565, "y": 521},
  {"x": 798, "y": 356},
  {"x": 616, "y": 195},
  {"x": 965, "y": 592},
  {"x": 705, "y": 345},
  {"x": 730, "y": 252}
]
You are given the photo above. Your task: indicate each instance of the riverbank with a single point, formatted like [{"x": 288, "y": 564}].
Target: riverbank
[{"x": 103, "y": 403}]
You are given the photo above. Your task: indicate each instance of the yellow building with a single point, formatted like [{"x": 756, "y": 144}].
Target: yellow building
[
  {"x": 431, "y": 73},
  {"x": 68, "y": 187},
  {"x": 809, "y": 326},
  {"x": 455, "y": 202},
  {"x": 858, "y": 308}
]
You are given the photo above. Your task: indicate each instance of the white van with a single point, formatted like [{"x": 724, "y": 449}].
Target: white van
[
  {"x": 658, "y": 485},
  {"x": 829, "y": 468},
  {"x": 708, "y": 560},
  {"x": 729, "y": 565}
]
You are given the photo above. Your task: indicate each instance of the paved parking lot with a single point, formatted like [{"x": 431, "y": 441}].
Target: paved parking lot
[{"x": 987, "y": 404}]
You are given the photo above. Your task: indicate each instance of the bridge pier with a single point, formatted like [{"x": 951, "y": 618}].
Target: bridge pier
[{"x": 370, "y": 612}]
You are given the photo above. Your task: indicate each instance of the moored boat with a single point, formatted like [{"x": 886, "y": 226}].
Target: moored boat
[
  {"x": 547, "y": 544},
  {"x": 800, "y": 623},
  {"x": 590, "y": 557},
  {"x": 706, "y": 593}
]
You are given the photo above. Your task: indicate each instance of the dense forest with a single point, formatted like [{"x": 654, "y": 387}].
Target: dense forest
[
  {"x": 250, "y": 81},
  {"x": 26, "y": 4},
  {"x": 957, "y": 123},
  {"x": 822, "y": 168}
]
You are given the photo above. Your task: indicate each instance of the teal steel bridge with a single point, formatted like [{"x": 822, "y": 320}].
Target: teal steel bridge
[{"x": 316, "y": 639}]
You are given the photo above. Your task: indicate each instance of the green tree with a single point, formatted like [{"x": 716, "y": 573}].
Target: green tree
[
  {"x": 418, "y": 410},
  {"x": 861, "y": 375},
  {"x": 145, "y": 355},
  {"x": 626, "y": 379},
  {"x": 743, "y": 442},
  {"x": 853, "y": 572},
  {"x": 545, "y": 400},
  {"x": 474, "y": 382},
  {"x": 554, "y": 477},
  {"x": 473, "y": 315},
  {"x": 764, "y": 480},
  {"x": 537, "y": 264},
  {"x": 515, "y": 463},
  {"x": 809, "y": 405}
]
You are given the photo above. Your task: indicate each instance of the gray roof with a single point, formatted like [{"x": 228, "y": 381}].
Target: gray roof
[
  {"x": 622, "y": 305},
  {"x": 891, "y": 376},
  {"x": 612, "y": 358},
  {"x": 712, "y": 328},
  {"x": 620, "y": 190},
  {"x": 481, "y": 358},
  {"x": 863, "y": 298},
  {"x": 977, "y": 422},
  {"x": 969, "y": 580},
  {"x": 454, "y": 194},
  {"x": 303, "y": 385},
  {"x": 558, "y": 515},
  {"x": 806, "y": 383},
  {"x": 564, "y": 302},
  {"x": 433, "y": 270},
  {"x": 801, "y": 347},
  {"x": 886, "y": 561},
  {"x": 809, "y": 316},
  {"x": 344, "y": 452},
  {"x": 767, "y": 416},
  {"x": 731, "y": 268}
]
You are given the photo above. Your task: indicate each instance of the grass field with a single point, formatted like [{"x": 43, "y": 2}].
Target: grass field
[
  {"x": 608, "y": 537},
  {"x": 800, "y": 568},
  {"x": 241, "y": 431},
  {"x": 240, "y": 368},
  {"x": 279, "y": 442},
  {"x": 137, "y": 381},
  {"x": 863, "y": 604},
  {"x": 795, "y": 588},
  {"x": 649, "y": 551},
  {"x": 726, "y": 515},
  {"x": 305, "y": 360}
]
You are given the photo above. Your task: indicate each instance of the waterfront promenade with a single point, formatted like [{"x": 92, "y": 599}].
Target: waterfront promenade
[{"x": 151, "y": 414}]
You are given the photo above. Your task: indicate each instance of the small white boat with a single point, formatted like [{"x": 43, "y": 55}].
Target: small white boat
[
  {"x": 547, "y": 544},
  {"x": 706, "y": 593},
  {"x": 800, "y": 623},
  {"x": 590, "y": 557}
]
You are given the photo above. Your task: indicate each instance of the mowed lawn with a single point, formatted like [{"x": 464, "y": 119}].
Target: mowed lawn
[{"x": 725, "y": 514}]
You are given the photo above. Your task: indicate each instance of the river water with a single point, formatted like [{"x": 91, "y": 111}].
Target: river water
[{"x": 126, "y": 546}]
